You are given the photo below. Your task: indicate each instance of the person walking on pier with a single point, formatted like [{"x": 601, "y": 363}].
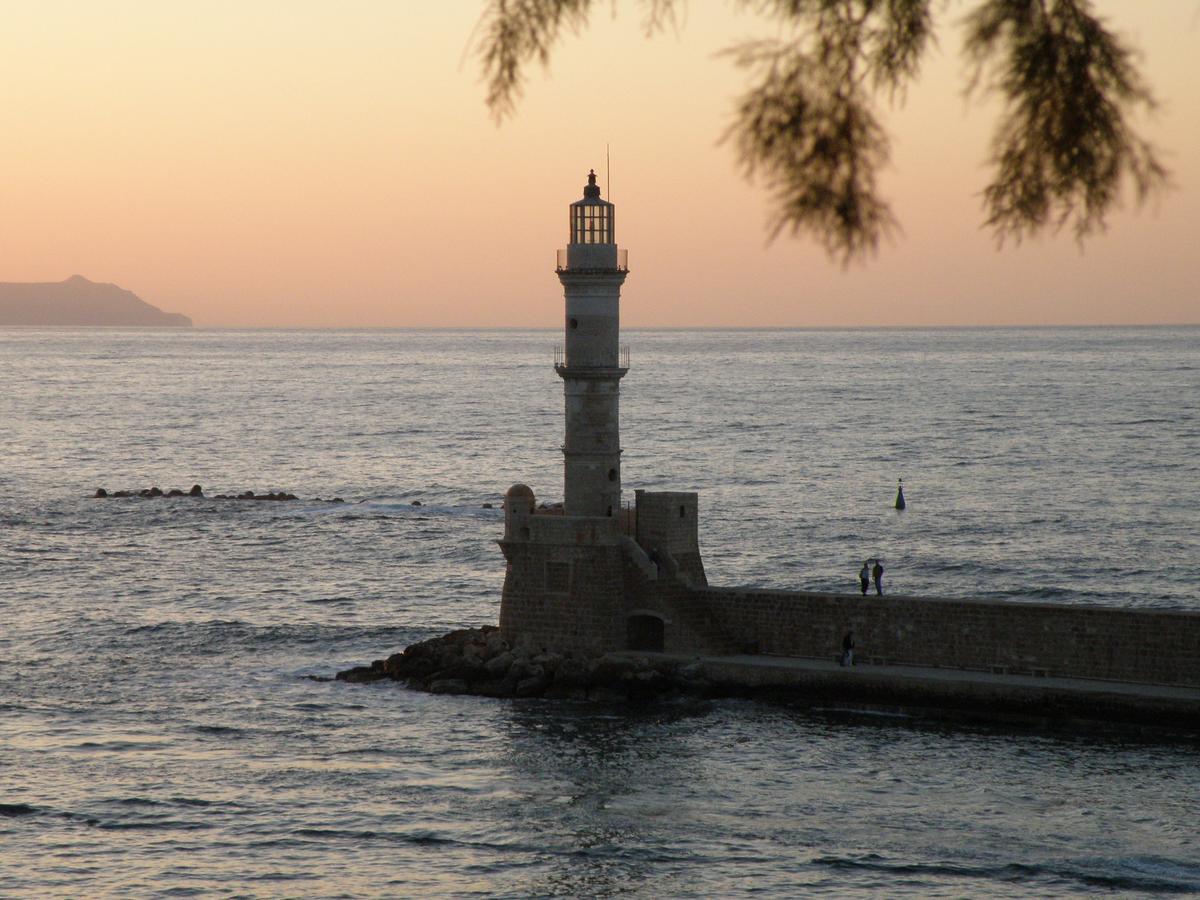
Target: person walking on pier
[
  {"x": 864, "y": 576},
  {"x": 848, "y": 649},
  {"x": 877, "y": 574}
]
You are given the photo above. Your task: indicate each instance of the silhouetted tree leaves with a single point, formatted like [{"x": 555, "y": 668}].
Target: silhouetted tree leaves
[
  {"x": 807, "y": 127},
  {"x": 807, "y": 130},
  {"x": 514, "y": 32},
  {"x": 1064, "y": 144}
]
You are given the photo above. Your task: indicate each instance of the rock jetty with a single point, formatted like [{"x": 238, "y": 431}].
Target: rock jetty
[
  {"x": 197, "y": 491},
  {"x": 479, "y": 661}
]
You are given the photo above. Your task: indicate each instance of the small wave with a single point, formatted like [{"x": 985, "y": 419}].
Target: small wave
[
  {"x": 138, "y": 801},
  {"x": 195, "y": 801},
  {"x": 119, "y": 746},
  {"x": 877, "y": 863},
  {"x": 155, "y": 825},
  {"x": 188, "y": 802},
  {"x": 224, "y": 730},
  {"x": 367, "y": 751},
  {"x": 420, "y": 838},
  {"x": 1146, "y": 875},
  {"x": 17, "y": 810},
  {"x": 1140, "y": 874},
  {"x": 872, "y": 713}
]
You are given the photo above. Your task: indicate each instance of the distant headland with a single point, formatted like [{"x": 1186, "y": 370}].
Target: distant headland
[{"x": 78, "y": 301}]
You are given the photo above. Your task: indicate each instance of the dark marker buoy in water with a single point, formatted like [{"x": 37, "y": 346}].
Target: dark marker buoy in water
[{"x": 900, "y": 504}]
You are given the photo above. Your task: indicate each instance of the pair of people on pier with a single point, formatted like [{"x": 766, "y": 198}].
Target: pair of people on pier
[{"x": 869, "y": 572}]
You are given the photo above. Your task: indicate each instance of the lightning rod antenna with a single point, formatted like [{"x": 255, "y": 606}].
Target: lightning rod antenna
[{"x": 607, "y": 173}]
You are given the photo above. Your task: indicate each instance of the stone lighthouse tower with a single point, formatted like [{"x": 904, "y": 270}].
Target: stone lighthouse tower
[
  {"x": 590, "y": 575},
  {"x": 592, "y": 270}
]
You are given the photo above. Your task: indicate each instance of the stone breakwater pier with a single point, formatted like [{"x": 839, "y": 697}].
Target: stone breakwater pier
[
  {"x": 963, "y": 659},
  {"x": 607, "y": 601}
]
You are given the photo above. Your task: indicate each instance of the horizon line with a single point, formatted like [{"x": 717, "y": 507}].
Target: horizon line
[{"x": 556, "y": 329}]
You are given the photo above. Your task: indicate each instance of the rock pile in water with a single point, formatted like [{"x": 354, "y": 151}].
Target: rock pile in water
[
  {"x": 250, "y": 495},
  {"x": 480, "y": 661},
  {"x": 197, "y": 491}
]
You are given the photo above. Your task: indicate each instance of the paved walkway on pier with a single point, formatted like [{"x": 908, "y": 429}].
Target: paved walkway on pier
[
  {"x": 958, "y": 676},
  {"x": 965, "y": 690}
]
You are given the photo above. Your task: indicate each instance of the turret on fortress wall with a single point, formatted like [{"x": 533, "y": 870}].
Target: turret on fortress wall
[{"x": 668, "y": 524}]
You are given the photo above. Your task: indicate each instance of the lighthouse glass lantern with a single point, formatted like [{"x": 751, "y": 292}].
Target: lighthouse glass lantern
[
  {"x": 591, "y": 217},
  {"x": 592, "y": 244}
]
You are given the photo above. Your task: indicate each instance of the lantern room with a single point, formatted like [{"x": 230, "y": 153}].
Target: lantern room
[
  {"x": 591, "y": 217},
  {"x": 592, "y": 246}
]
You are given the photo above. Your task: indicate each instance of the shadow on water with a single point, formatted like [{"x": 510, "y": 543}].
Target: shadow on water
[
  {"x": 658, "y": 797},
  {"x": 593, "y": 793}
]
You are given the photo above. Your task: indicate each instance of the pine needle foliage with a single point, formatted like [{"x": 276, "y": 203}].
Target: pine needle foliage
[{"x": 807, "y": 127}]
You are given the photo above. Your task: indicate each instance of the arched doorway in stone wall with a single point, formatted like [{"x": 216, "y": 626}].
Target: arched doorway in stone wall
[{"x": 645, "y": 631}]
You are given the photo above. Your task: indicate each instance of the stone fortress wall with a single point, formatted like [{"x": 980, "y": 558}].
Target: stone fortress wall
[
  {"x": 586, "y": 584},
  {"x": 997, "y": 636}
]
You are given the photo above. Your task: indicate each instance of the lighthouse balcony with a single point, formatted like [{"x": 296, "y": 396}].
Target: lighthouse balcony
[
  {"x": 567, "y": 368},
  {"x": 585, "y": 258}
]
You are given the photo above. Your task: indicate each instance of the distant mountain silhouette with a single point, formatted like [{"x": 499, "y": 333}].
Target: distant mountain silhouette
[{"x": 78, "y": 301}]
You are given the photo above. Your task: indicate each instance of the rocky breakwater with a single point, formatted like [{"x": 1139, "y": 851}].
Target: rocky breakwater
[
  {"x": 479, "y": 661},
  {"x": 197, "y": 491}
]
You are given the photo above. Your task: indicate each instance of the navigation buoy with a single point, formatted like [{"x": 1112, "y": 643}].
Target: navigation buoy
[{"x": 900, "y": 504}]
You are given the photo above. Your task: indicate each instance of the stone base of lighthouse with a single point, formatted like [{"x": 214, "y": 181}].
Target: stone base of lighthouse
[{"x": 599, "y": 584}]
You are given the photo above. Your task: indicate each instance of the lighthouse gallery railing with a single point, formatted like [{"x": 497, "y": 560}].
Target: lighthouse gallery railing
[
  {"x": 560, "y": 357},
  {"x": 622, "y": 261}
]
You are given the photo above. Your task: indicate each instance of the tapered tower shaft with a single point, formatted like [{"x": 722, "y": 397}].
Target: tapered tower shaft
[{"x": 592, "y": 270}]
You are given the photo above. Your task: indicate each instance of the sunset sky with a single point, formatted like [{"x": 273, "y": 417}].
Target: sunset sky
[{"x": 316, "y": 164}]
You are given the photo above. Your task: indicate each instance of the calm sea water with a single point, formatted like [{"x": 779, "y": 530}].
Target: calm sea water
[{"x": 159, "y": 736}]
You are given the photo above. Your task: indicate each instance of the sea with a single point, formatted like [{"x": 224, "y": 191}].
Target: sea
[{"x": 167, "y": 728}]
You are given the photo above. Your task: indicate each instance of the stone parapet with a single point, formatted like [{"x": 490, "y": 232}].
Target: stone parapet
[
  {"x": 1000, "y": 637},
  {"x": 574, "y": 530}
]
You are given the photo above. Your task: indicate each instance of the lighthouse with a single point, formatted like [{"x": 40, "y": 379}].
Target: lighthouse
[
  {"x": 591, "y": 364},
  {"x": 590, "y": 575}
]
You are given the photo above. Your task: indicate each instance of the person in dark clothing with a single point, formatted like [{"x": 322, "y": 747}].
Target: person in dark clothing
[
  {"x": 848, "y": 649},
  {"x": 864, "y": 576},
  {"x": 877, "y": 574},
  {"x": 656, "y": 559}
]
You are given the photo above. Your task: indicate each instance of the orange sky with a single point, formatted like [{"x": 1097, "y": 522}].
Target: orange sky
[{"x": 317, "y": 164}]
